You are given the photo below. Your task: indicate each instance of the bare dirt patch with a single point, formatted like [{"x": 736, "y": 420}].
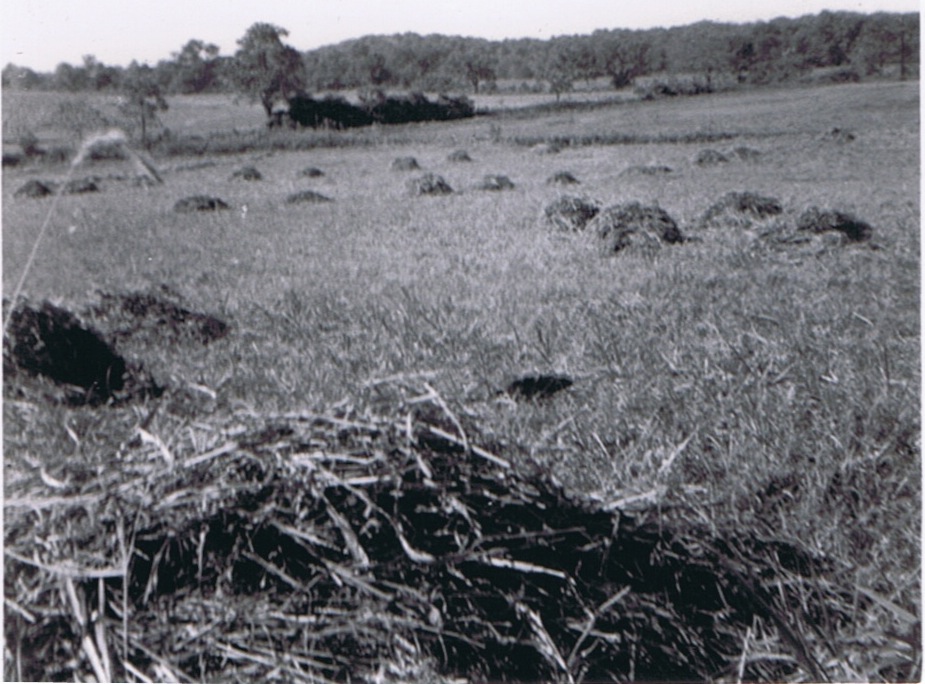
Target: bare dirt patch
[{"x": 535, "y": 387}]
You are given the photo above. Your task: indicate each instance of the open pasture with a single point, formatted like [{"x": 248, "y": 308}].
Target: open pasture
[{"x": 732, "y": 382}]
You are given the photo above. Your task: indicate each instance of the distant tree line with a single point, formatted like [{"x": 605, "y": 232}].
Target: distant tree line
[{"x": 266, "y": 69}]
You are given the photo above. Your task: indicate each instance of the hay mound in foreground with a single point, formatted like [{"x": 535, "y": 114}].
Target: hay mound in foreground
[
  {"x": 52, "y": 342},
  {"x": 816, "y": 220},
  {"x": 571, "y": 213},
  {"x": 334, "y": 547},
  {"x": 741, "y": 210},
  {"x": 200, "y": 203},
  {"x": 307, "y": 197},
  {"x": 429, "y": 184},
  {"x": 634, "y": 224}
]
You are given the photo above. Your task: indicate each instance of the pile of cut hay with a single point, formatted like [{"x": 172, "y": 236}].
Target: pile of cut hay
[{"x": 356, "y": 546}]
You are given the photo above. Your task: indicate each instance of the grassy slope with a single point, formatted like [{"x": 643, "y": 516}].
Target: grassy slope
[{"x": 742, "y": 385}]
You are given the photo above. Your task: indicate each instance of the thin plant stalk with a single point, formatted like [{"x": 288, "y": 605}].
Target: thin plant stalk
[
  {"x": 35, "y": 247},
  {"x": 113, "y": 137}
]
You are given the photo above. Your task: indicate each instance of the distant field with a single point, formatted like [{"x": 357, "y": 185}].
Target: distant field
[
  {"x": 732, "y": 381},
  {"x": 206, "y": 114}
]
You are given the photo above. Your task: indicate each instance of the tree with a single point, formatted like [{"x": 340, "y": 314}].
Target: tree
[
  {"x": 98, "y": 75},
  {"x": 474, "y": 62},
  {"x": 479, "y": 70},
  {"x": 21, "y": 78},
  {"x": 623, "y": 55},
  {"x": 143, "y": 98},
  {"x": 379, "y": 73},
  {"x": 559, "y": 70},
  {"x": 265, "y": 69},
  {"x": 887, "y": 39},
  {"x": 70, "y": 78},
  {"x": 195, "y": 68}
]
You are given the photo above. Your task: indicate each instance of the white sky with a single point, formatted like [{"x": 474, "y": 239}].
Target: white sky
[{"x": 43, "y": 33}]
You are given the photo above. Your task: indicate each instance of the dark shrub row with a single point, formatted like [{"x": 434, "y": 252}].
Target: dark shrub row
[{"x": 336, "y": 112}]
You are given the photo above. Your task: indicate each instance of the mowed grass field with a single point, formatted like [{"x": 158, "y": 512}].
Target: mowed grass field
[{"x": 731, "y": 380}]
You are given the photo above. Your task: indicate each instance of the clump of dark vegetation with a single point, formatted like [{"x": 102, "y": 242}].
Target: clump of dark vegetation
[
  {"x": 621, "y": 226},
  {"x": 741, "y": 209},
  {"x": 818, "y": 220},
  {"x": 35, "y": 188},
  {"x": 429, "y": 184},
  {"x": 653, "y": 170},
  {"x": 710, "y": 157},
  {"x": 248, "y": 173},
  {"x": 337, "y": 113},
  {"x": 562, "y": 178},
  {"x": 532, "y": 387},
  {"x": 571, "y": 213},
  {"x": 312, "y": 172},
  {"x": 342, "y": 544},
  {"x": 80, "y": 186},
  {"x": 495, "y": 183},
  {"x": 307, "y": 197},
  {"x": 459, "y": 156},
  {"x": 675, "y": 86},
  {"x": 405, "y": 164},
  {"x": 199, "y": 203},
  {"x": 158, "y": 316},
  {"x": 52, "y": 342}
]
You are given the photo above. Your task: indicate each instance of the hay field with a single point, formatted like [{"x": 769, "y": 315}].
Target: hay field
[{"x": 732, "y": 384}]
